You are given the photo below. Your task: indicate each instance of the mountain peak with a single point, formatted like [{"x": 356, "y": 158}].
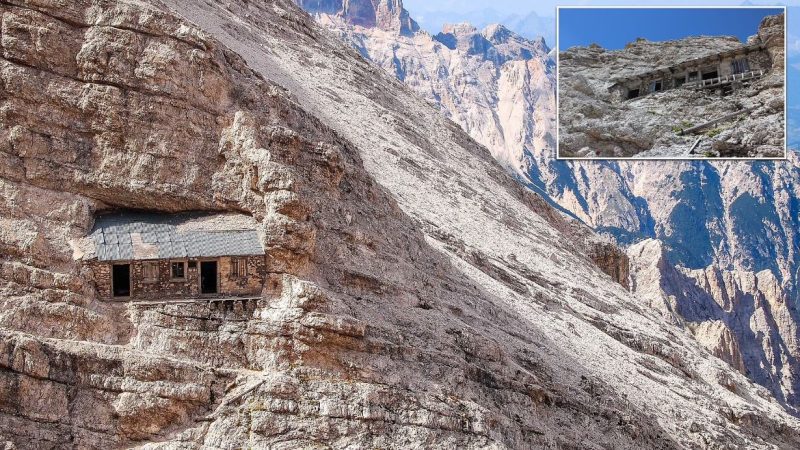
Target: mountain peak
[
  {"x": 497, "y": 33},
  {"x": 459, "y": 29},
  {"x": 464, "y": 36},
  {"x": 389, "y": 15},
  {"x": 467, "y": 38}
]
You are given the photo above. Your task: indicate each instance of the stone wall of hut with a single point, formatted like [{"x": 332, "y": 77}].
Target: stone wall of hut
[{"x": 243, "y": 282}]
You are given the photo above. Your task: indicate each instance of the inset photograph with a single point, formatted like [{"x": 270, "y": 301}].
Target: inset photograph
[{"x": 671, "y": 83}]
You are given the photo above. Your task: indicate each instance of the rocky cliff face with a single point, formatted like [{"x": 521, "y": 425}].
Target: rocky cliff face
[
  {"x": 593, "y": 124},
  {"x": 406, "y": 306},
  {"x": 735, "y": 217},
  {"x": 730, "y": 217},
  {"x": 488, "y": 81},
  {"x": 744, "y": 318}
]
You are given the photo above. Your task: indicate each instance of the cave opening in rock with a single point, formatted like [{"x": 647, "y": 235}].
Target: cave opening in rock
[{"x": 633, "y": 93}]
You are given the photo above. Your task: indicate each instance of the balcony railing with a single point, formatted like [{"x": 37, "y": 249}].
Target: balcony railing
[{"x": 702, "y": 84}]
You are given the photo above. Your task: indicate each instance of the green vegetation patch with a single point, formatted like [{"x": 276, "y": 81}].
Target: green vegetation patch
[{"x": 682, "y": 126}]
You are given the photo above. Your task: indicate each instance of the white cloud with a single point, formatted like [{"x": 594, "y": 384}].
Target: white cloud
[{"x": 793, "y": 45}]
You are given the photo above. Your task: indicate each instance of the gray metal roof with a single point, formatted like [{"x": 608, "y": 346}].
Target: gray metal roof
[{"x": 139, "y": 235}]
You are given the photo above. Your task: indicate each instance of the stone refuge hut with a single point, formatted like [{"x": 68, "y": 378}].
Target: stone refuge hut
[
  {"x": 154, "y": 256},
  {"x": 724, "y": 71}
]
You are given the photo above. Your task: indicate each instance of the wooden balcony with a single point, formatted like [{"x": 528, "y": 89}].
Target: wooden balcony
[{"x": 727, "y": 79}]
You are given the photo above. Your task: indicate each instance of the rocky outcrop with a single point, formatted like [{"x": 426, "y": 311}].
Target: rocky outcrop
[
  {"x": 418, "y": 296},
  {"x": 612, "y": 261},
  {"x": 141, "y": 111},
  {"x": 772, "y": 34},
  {"x": 744, "y": 318},
  {"x": 720, "y": 340},
  {"x": 593, "y": 123}
]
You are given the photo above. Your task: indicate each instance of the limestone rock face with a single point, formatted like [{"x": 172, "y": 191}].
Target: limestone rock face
[
  {"x": 730, "y": 215},
  {"x": 697, "y": 209},
  {"x": 418, "y": 296},
  {"x": 772, "y": 33},
  {"x": 744, "y": 318},
  {"x": 611, "y": 260},
  {"x": 718, "y": 338},
  {"x": 593, "y": 124},
  {"x": 498, "y": 86}
]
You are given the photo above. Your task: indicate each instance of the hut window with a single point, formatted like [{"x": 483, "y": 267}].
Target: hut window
[
  {"x": 740, "y": 66},
  {"x": 238, "y": 267},
  {"x": 655, "y": 86},
  {"x": 633, "y": 93},
  {"x": 150, "y": 272},
  {"x": 693, "y": 76},
  {"x": 177, "y": 270},
  {"x": 710, "y": 74}
]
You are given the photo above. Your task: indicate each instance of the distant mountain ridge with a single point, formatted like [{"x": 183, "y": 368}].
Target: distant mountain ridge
[
  {"x": 382, "y": 14},
  {"x": 528, "y": 25}
]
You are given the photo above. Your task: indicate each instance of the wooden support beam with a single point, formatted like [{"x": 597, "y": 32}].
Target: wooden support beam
[
  {"x": 694, "y": 146},
  {"x": 716, "y": 121}
]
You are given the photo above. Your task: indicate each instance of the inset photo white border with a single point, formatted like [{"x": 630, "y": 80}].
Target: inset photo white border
[{"x": 665, "y": 158}]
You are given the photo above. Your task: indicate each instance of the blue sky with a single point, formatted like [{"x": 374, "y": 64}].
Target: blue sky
[
  {"x": 613, "y": 28},
  {"x": 454, "y": 9},
  {"x": 793, "y": 75}
]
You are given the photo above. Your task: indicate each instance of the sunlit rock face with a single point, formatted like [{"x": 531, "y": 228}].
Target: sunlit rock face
[
  {"x": 745, "y": 318},
  {"x": 500, "y": 88},
  {"x": 497, "y": 85},
  {"x": 417, "y": 295},
  {"x": 732, "y": 216}
]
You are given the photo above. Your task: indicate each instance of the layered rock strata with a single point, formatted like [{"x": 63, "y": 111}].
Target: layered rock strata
[{"x": 405, "y": 306}]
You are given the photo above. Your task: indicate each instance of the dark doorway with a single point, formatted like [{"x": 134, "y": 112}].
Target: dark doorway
[
  {"x": 208, "y": 277},
  {"x": 710, "y": 75},
  {"x": 121, "y": 280},
  {"x": 633, "y": 93}
]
